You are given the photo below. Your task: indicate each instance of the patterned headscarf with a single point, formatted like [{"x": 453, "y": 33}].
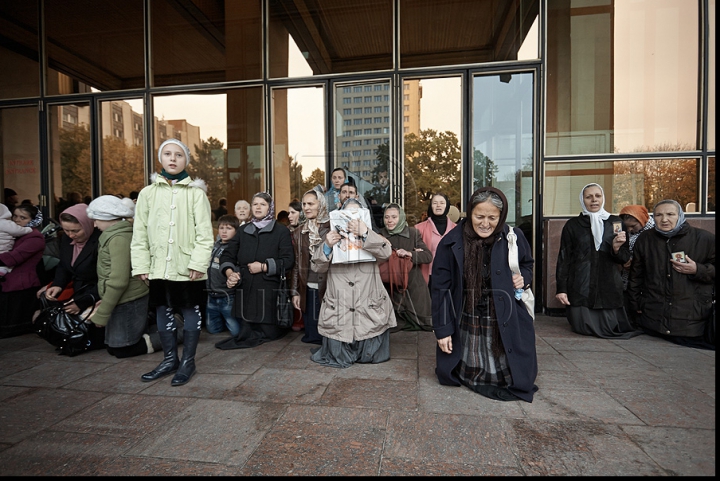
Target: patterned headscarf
[
  {"x": 596, "y": 218},
  {"x": 270, "y": 216},
  {"x": 402, "y": 220},
  {"x": 311, "y": 226},
  {"x": 37, "y": 220},
  {"x": 680, "y": 222}
]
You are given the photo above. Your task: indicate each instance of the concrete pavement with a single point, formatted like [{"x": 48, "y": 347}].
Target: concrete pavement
[{"x": 640, "y": 407}]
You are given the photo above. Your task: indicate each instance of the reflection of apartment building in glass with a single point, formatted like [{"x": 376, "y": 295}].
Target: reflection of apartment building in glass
[
  {"x": 177, "y": 129},
  {"x": 122, "y": 122},
  {"x": 366, "y": 123}
]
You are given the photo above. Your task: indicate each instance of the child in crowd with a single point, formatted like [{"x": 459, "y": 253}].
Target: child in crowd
[
  {"x": 171, "y": 247},
  {"x": 124, "y": 299},
  {"x": 9, "y": 230},
  {"x": 220, "y": 296}
]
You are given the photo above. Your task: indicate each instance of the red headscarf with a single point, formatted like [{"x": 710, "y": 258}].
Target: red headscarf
[
  {"x": 79, "y": 211},
  {"x": 640, "y": 212}
]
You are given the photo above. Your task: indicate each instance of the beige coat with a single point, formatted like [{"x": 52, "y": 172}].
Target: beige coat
[{"x": 356, "y": 305}]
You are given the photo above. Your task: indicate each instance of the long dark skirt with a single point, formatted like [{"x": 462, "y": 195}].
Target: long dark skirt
[
  {"x": 603, "y": 323},
  {"x": 253, "y": 334},
  {"x": 343, "y": 354},
  {"x": 16, "y": 310}
]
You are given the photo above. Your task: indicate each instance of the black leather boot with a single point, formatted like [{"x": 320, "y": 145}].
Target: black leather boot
[
  {"x": 187, "y": 363},
  {"x": 170, "y": 362}
]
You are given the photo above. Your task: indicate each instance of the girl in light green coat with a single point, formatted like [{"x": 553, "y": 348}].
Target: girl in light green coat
[{"x": 171, "y": 247}]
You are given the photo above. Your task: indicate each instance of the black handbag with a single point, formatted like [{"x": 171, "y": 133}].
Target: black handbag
[
  {"x": 284, "y": 307},
  {"x": 69, "y": 333}
]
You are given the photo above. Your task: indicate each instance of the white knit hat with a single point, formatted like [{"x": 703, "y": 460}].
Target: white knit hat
[
  {"x": 180, "y": 144},
  {"x": 108, "y": 207},
  {"x": 129, "y": 204}
]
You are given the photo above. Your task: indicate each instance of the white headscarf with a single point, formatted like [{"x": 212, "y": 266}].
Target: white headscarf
[{"x": 596, "y": 218}]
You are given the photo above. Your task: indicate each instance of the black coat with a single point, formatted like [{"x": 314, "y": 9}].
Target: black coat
[
  {"x": 256, "y": 294},
  {"x": 590, "y": 278},
  {"x": 516, "y": 326},
  {"x": 83, "y": 273},
  {"x": 672, "y": 303}
]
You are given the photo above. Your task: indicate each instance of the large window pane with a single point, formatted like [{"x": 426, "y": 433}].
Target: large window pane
[
  {"x": 94, "y": 44},
  {"x": 503, "y": 142},
  {"x": 466, "y": 31},
  {"x": 298, "y": 143},
  {"x": 622, "y": 76},
  {"x": 432, "y": 143},
  {"x": 644, "y": 182},
  {"x": 711, "y": 77},
  {"x": 362, "y": 142},
  {"x": 197, "y": 41},
  {"x": 70, "y": 155},
  {"x": 223, "y": 130},
  {"x": 19, "y": 49},
  {"x": 332, "y": 36},
  {"x": 19, "y": 152},
  {"x": 122, "y": 161}
]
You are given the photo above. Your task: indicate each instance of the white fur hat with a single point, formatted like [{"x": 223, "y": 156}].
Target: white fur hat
[
  {"x": 109, "y": 207},
  {"x": 176, "y": 142}
]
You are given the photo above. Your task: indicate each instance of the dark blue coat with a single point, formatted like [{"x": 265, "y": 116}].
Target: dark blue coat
[{"x": 516, "y": 325}]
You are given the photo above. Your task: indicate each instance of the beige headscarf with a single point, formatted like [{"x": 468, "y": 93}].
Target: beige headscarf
[{"x": 311, "y": 226}]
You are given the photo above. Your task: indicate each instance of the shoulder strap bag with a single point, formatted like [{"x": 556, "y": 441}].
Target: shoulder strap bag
[{"x": 526, "y": 295}]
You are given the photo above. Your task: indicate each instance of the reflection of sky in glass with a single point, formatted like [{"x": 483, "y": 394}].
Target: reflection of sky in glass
[
  {"x": 209, "y": 112},
  {"x": 502, "y": 120}
]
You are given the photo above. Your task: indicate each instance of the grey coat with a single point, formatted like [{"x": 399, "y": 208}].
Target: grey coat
[{"x": 356, "y": 305}]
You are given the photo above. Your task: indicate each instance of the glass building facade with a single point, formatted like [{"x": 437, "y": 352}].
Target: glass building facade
[{"x": 411, "y": 97}]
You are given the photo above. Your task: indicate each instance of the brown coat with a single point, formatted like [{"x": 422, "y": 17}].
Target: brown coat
[
  {"x": 356, "y": 305},
  {"x": 299, "y": 277},
  {"x": 414, "y": 302}
]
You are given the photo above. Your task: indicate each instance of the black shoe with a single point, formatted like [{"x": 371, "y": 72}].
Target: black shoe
[
  {"x": 170, "y": 362},
  {"x": 187, "y": 364}
]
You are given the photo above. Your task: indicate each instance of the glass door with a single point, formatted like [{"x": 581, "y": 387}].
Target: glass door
[{"x": 503, "y": 141}]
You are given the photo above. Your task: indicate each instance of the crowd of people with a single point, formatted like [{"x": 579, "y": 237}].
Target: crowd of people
[{"x": 153, "y": 271}]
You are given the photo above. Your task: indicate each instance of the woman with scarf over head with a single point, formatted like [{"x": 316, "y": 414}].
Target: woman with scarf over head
[
  {"x": 19, "y": 286},
  {"x": 674, "y": 300},
  {"x": 486, "y": 338},
  {"x": 252, "y": 263},
  {"x": 308, "y": 286},
  {"x": 356, "y": 313},
  {"x": 434, "y": 228},
  {"x": 588, "y": 276},
  {"x": 636, "y": 219},
  {"x": 412, "y": 305},
  {"x": 78, "y": 265}
]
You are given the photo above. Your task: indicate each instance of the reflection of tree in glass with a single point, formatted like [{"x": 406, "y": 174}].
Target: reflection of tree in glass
[
  {"x": 210, "y": 167},
  {"x": 432, "y": 164},
  {"x": 75, "y": 160},
  {"x": 484, "y": 170},
  {"x": 122, "y": 167},
  {"x": 298, "y": 186},
  {"x": 650, "y": 181}
]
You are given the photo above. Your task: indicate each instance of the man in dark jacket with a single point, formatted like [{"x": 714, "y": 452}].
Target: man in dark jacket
[{"x": 673, "y": 299}]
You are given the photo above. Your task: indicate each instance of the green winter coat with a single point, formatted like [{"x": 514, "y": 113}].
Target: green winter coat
[
  {"x": 115, "y": 283},
  {"x": 172, "y": 230}
]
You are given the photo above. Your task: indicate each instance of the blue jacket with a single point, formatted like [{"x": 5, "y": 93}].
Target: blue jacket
[{"x": 516, "y": 326}]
